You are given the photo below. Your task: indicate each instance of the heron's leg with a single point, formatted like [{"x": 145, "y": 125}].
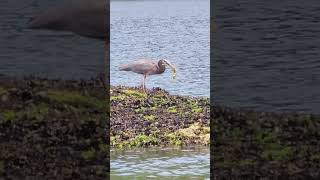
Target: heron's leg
[{"x": 144, "y": 82}]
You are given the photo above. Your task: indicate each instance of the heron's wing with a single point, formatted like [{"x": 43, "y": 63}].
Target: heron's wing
[{"x": 143, "y": 66}]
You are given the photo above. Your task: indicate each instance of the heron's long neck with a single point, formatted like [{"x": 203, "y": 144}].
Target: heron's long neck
[{"x": 161, "y": 68}]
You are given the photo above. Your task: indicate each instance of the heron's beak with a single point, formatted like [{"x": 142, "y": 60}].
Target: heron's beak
[{"x": 173, "y": 68}]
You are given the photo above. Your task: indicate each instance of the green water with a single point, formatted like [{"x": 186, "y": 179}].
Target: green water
[{"x": 161, "y": 163}]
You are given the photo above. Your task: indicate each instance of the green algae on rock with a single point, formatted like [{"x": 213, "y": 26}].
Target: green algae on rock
[
  {"x": 53, "y": 129},
  {"x": 264, "y": 145},
  {"x": 157, "y": 119}
]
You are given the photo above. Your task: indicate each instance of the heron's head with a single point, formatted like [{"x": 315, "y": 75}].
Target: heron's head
[{"x": 168, "y": 63}]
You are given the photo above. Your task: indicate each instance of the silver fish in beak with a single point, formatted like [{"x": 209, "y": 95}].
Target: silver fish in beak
[{"x": 172, "y": 67}]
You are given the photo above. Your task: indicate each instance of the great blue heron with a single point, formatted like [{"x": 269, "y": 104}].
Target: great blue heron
[
  {"x": 85, "y": 17},
  {"x": 148, "y": 67}
]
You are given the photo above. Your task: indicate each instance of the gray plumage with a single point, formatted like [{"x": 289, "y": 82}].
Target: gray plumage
[{"x": 147, "y": 67}]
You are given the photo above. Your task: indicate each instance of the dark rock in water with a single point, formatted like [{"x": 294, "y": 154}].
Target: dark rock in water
[{"x": 157, "y": 89}]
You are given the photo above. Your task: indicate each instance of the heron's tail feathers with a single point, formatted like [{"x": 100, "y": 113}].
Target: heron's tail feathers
[{"x": 125, "y": 67}]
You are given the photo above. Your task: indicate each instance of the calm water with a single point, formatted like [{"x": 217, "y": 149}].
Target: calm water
[
  {"x": 158, "y": 163},
  {"x": 177, "y": 30},
  {"x": 266, "y": 54},
  {"x": 42, "y": 52}
]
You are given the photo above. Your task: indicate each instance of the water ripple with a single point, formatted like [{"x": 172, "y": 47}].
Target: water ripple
[
  {"x": 176, "y": 30},
  {"x": 266, "y": 55},
  {"x": 159, "y": 162}
]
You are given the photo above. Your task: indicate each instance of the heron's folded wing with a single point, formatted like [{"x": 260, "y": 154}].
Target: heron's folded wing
[{"x": 143, "y": 66}]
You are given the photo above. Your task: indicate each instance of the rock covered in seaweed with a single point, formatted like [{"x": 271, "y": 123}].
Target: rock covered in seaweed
[{"x": 157, "y": 118}]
